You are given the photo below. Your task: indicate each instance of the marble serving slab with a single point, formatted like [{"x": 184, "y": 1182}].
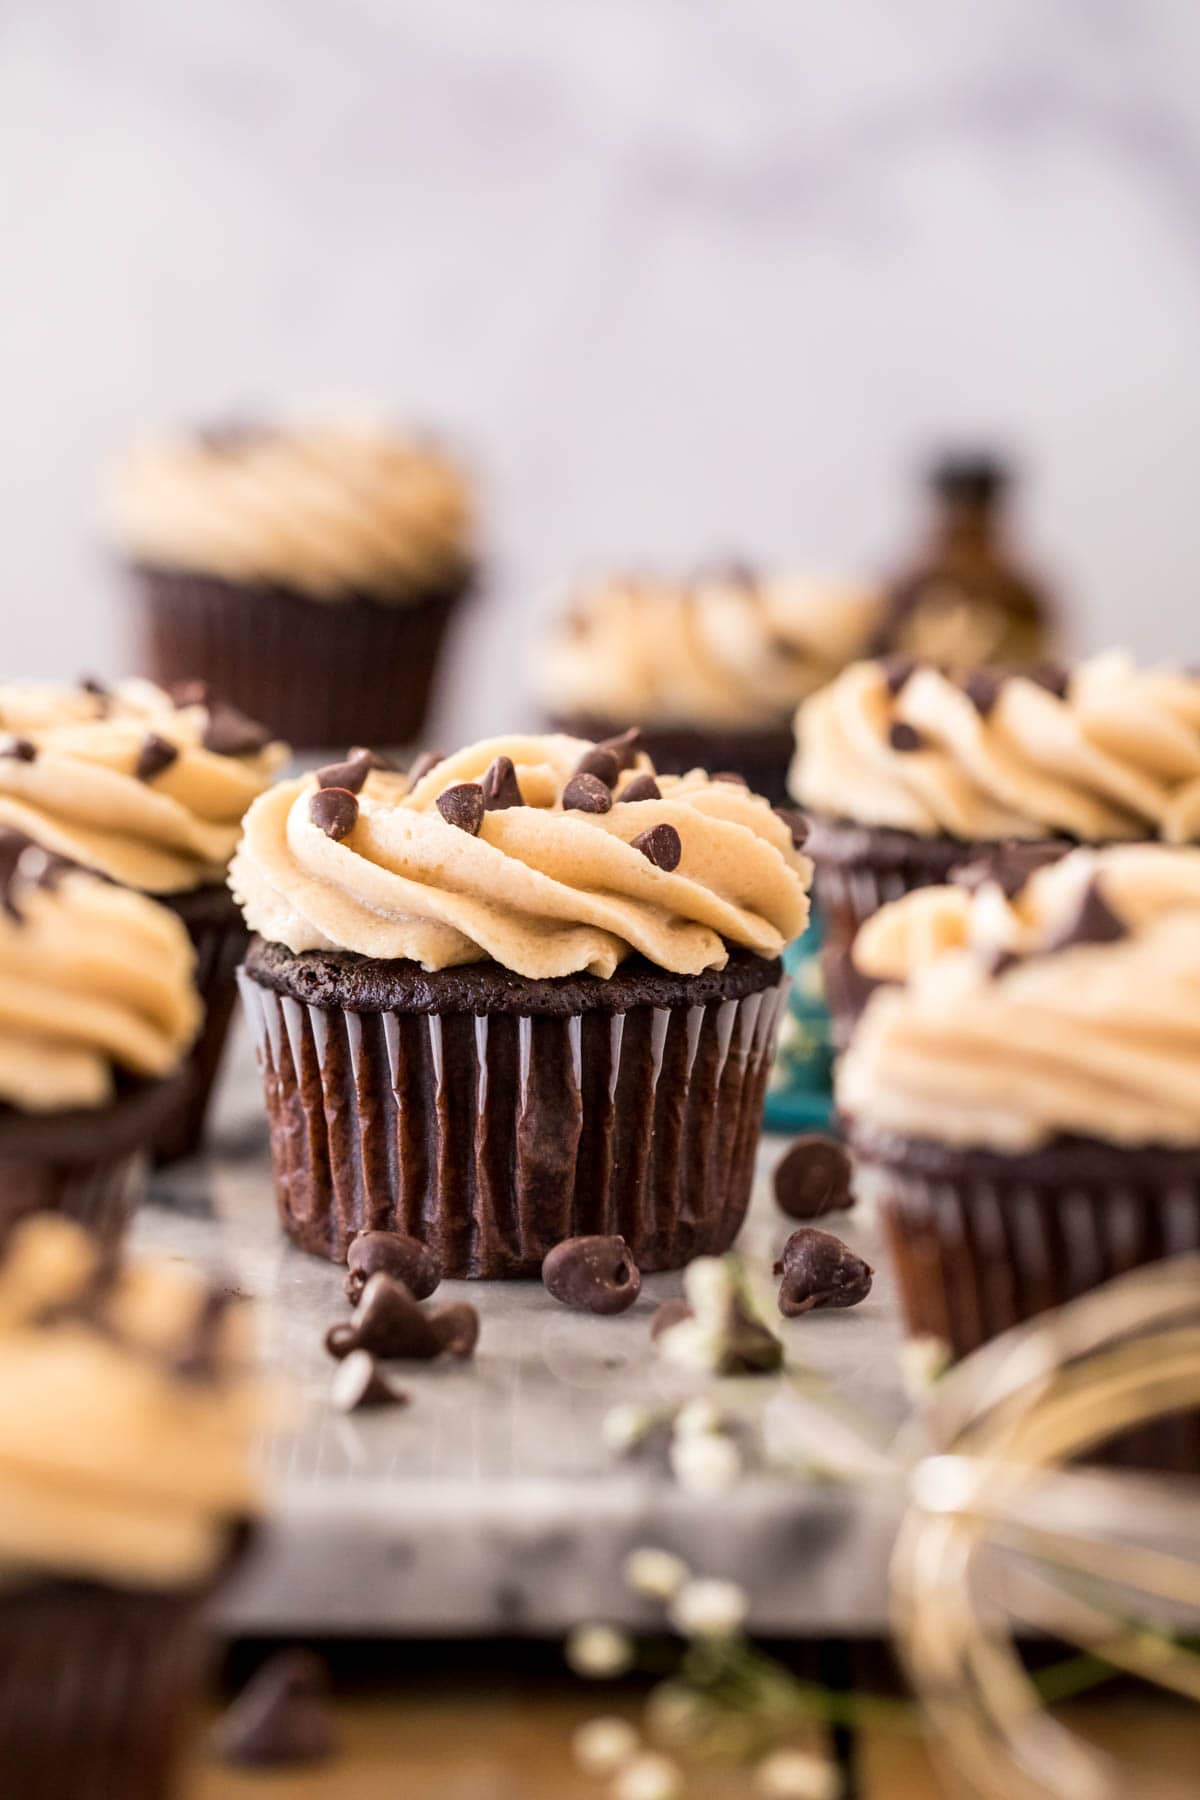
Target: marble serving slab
[{"x": 491, "y": 1503}]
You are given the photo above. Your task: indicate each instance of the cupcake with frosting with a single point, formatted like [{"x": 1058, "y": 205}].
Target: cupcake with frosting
[
  {"x": 907, "y": 771},
  {"x": 98, "y": 1009},
  {"x": 148, "y": 791},
  {"x": 125, "y": 1495},
  {"x": 1024, "y": 1094},
  {"x": 524, "y": 993},
  {"x": 309, "y": 573},
  {"x": 710, "y": 670}
]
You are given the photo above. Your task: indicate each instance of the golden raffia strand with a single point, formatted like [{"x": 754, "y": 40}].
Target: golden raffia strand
[{"x": 999, "y": 1537}]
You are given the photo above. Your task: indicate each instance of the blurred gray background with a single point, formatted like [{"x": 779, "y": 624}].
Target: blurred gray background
[{"x": 680, "y": 276}]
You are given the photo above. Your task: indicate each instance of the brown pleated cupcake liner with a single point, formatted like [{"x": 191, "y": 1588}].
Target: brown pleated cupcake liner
[
  {"x": 761, "y": 756},
  {"x": 1005, "y": 1239},
  {"x": 97, "y": 1686},
  {"x": 219, "y": 938},
  {"x": 492, "y": 1137},
  {"x": 322, "y": 674}
]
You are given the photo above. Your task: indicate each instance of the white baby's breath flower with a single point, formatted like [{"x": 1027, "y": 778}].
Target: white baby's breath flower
[
  {"x": 698, "y": 1417},
  {"x": 598, "y": 1653},
  {"x": 625, "y": 1426},
  {"x": 705, "y": 1463},
  {"x": 923, "y": 1361},
  {"x": 709, "y": 1608},
  {"x": 794, "y": 1775},
  {"x": 693, "y": 1344},
  {"x": 708, "y": 1282},
  {"x": 658, "y": 1574},
  {"x": 674, "y": 1712},
  {"x": 648, "y": 1777},
  {"x": 601, "y": 1746}
]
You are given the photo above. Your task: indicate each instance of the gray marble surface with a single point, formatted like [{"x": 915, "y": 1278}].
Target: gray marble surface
[{"x": 491, "y": 1503}]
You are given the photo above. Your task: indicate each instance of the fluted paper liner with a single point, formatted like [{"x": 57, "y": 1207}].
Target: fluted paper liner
[
  {"x": 492, "y": 1137},
  {"x": 219, "y": 948}
]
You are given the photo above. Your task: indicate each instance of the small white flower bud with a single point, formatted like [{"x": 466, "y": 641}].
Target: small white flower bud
[
  {"x": 656, "y": 1573},
  {"x": 794, "y": 1775},
  {"x": 923, "y": 1361},
  {"x": 648, "y": 1777},
  {"x": 698, "y": 1417},
  {"x": 625, "y": 1426},
  {"x": 693, "y": 1344},
  {"x": 705, "y": 1464},
  {"x": 709, "y": 1285},
  {"x": 709, "y": 1608},
  {"x": 602, "y": 1745},
  {"x": 598, "y": 1653}
]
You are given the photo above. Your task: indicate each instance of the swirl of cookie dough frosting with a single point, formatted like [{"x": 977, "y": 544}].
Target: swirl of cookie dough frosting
[
  {"x": 332, "y": 511},
  {"x": 1107, "y": 752},
  {"x": 94, "y": 978},
  {"x": 148, "y": 792},
  {"x": 507, "y": 851},
  {"x": 1072, "y": 1008},
  {"x": 725, "y": 649},
  {"x": 127, "y": 1419}
]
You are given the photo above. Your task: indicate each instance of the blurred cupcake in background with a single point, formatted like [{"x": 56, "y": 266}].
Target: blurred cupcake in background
[
  {"x": 906, "y": 771},
  {"x": 97, "y": 1012},
  {"x": 149, "y": 791},
  {"x": 307, "y": 573},
  {"x": 709, "y": 670},
  {"x": 125, "y": 1445}
]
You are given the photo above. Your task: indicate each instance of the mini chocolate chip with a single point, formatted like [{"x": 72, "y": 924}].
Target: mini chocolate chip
[
  {"x": 602, "y": 762},
  {"x": 624, "y": 746},
  {"x": 388, "y": 1322},
  {"x": 730, "y": 775},
  {"x": 155, "y": 755},
  {"x": 642, "y": 787},
  {"x": 281, "y": 1716},
  {"x": 500, "y": 786},
  {"x": 456, "y": 1328},
  {"x": 1093, "y": 921},
  {"x": 897, "y": 671},
  {"x": 334, "y": 810},
  {"x": 360, "y": 1381},
  {"x": 668, "y": 1315},
  {"x": 228, "y": 732},
  {"x": 813, "y": 1178},
  {"x": 350, "y": 774},
  {"x": 796, "y": 823},
  {"x": 586, "y": 793},
  {"x": 341, "y": 1338},
  {"x": 982, "y": 688},
  {"x": 405, "y": 1259},
  {"x": 428, "y": 759},
  {"x": 90, "y": 685},
  {"x": 818, "y": 1271},
  {"x": 21, "y": 749},
  {"x": 592, "y": 1274},
  {"x": 23, "y": 863},
  {"x": 903, "y": 736},
  {"x": 374, "y": 759},
  {"x": 1052, "y": 676},
  {"x": 189, "y": 693},
  {"x": 660, "y": 845},
  {"x": 463, "y": 806}
]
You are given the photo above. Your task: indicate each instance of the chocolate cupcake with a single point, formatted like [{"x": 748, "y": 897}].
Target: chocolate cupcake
[
  {"x": 97, "y": 1011},
  {"x": 148, "y": 791},
  {"x": 125, "y": 1496},
  {"x": 1025, "y": 1104},
  {"x": 907, "y": 771},
  {"x": 710, "y": 670},
  {"x": 309, "y": 574},
  {"x": 529, "y": 996}
]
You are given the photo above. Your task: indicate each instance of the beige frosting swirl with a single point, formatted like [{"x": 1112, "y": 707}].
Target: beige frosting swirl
[
  {"x": 1117, "y": 757},
  {"x": 1073, "y": 1008},
  {"x": 117, "y": 1462},
  {"x": 79, "y": 793},
  {"x": 93, "y": 978},
  {"x": 736, "y": 651},
  {"x": 332, "y": 510},
  {"x": 541, "y": 890}
]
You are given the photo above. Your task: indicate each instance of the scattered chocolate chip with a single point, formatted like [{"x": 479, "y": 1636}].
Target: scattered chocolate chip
[
  {"x": 281, "y": 1716},
  {"x": 23, "y": 863},
  {"x": 405, "y": 1259},
  {"x": 818, "y": 1270},
  {"x": 374, "y": 759},
  {"x": 813, "y": 1178},
  {"x": 1009, "y": 866},
  {"x": 228, "y": 732},
  {"x": 642, "y": 787},
  {"x": 456, "y": 1328},
  {"x": 463, "y": 806},
  {"x": 1093, "y": 921},
  {"x": 668, "y": 1315},
  {"x": 350, "y": 774},
  {"x": 602, "y": 762},
  {"x": 500, "y": 786},
  {"x": 903, "y": 736},
  {"x": 360, "y": 1381},
  {"x": 897, "y": 671},
  {"x": 389, "y": 1323},
  {"x": 21, "y": 749},
  {"x": 341, "y": 1338},
  {"x": 428, "y": 759},
  {"x": 1052, "y": 676},
  {"x": 730, "y": 775},
  {"x": 624, "y": 747},
  {"x": 586, "y": 793},
  {"x": 189, "y": 693},
  {"x": 334, "y": 810},
  {"x": 155, "y": 755},
  {"x": 796, "y": 823},
  {"x": 982, "y": 688},
  {"x": 660, "y": 845},
  {"x": 592, "y": 1274}
]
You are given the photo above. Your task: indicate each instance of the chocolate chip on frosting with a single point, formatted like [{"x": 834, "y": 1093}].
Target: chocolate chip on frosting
[
  {"x": 349, "y": 774},
  {"x": 982, "y": 688},
  {"x": 1052, "y": 676},
  {"x": 501, "y": 788},
  {"x": 334, "y": 810},
  {"x": 229, "y": 732},
  {"x": 903, "y": 736},
  {"x": 21, "y": 749},
  {"x": 796, "y": 823},
  {"x": 189, "y": 693},
  {"x": 463, "y": 805},
  {"x": 24, "y": 863},
  {"x": 428, "y": 759},
  {"x": 90, "y": 685},
  {"x": 624, "y": 747},
  {"x": 586, "y": 793},
  {"x": 155, "y": 754},
  {"x": 602, "y": 762},
  {"x": 896, "y": 672},
  {"x": 1093, "y": 921},
  {"x": 642, "y": 787},
  {"x": 731, "y": 776},
  {"x": 660, "y": 845}
]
